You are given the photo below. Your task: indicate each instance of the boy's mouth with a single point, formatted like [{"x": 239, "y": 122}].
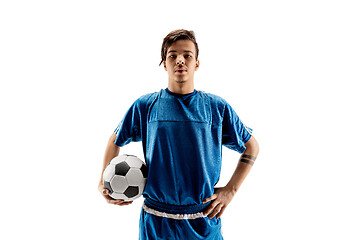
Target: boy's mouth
[{"x": 180, "y": 70}]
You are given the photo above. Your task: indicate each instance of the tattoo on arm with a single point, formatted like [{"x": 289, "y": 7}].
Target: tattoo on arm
[
  {"x": 247, "y": 161},
  {"x": 248, "y": 157}
]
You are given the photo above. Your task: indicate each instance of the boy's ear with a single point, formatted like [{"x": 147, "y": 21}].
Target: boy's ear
[
  {"x": 165, "y": 65},
  {"x": 197, "y": 65}
]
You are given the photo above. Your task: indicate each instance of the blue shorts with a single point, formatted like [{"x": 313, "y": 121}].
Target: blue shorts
[{"x": 156, "y": 224}]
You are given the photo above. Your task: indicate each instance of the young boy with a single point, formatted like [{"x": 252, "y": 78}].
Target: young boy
[{"x": 182, "y": 131}]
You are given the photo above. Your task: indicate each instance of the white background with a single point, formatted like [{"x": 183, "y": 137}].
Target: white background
[{"x": 70, "y": 69}]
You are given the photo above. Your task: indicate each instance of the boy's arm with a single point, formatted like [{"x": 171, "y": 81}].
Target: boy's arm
[
  {"x": 223, "y": 196},
  {"x": 111, "y": 151}
]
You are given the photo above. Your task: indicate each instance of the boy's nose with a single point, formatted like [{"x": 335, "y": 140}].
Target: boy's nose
[{"x": 180, "y": 61}]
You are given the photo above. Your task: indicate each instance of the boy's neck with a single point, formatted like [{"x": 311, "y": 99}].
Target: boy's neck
[{"x": 181, "y": 88}]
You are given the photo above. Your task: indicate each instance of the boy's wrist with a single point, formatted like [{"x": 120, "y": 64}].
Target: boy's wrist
[{"x": 231, "y": 189}]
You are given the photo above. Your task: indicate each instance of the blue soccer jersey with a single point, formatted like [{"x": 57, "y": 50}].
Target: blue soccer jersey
[{"x": 182, "y": 137}]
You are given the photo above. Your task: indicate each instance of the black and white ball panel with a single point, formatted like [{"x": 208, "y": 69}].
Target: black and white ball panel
[
  {"x": 119, "y": 196},
  {"x": 118, "y": 184},
  {"x": 134, "y": 177},
  {"x": 131, "y": 191},
  {"x": 118, "y": 159},
  {"x": 144, "y": 170},
  {"x": 122, "y": 168},
  {"x": 134, "y": 161},
  {"x": 109, "y": 172}
]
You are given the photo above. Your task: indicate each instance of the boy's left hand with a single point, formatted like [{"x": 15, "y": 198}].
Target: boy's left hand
[{"x": 221, "y": 199}]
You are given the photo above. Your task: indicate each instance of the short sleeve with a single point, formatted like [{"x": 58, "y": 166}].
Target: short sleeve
[
  {"x": 129, "y": 129},
  {"x": 234, "y": 132}
]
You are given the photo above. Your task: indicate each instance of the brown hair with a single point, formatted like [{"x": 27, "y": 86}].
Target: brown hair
[{"x": 173, "y": 36}]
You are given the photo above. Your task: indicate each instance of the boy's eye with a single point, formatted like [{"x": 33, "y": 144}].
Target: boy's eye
[
  {"x": 172, "y": 56},
  {"x": 187, "y": 56}
]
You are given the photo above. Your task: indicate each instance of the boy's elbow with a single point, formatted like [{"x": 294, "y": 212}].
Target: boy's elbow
[{"x": 252, "y": 145}]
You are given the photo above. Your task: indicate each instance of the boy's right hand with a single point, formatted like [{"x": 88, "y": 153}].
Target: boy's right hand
[{"x": 106, "y": 193}]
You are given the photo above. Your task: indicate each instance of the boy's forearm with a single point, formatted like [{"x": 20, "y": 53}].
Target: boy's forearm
[
  {"x": 244, "y": 165},
  {"x": 111, "y": 151}
]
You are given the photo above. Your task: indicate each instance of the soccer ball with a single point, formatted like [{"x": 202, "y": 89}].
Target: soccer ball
[{"x": 125, "y": 177}]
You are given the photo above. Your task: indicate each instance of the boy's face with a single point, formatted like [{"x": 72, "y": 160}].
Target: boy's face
[{"x": 180, "y": 61}]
